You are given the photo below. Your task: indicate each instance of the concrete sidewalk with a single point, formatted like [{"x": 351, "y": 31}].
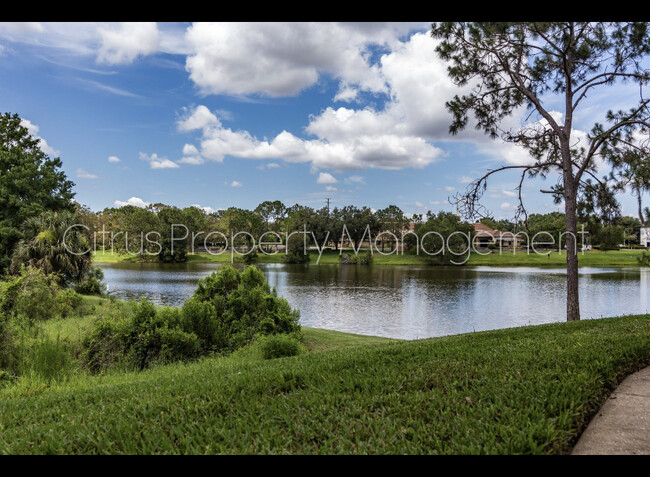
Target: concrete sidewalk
[{"x": 622, "y": 426}]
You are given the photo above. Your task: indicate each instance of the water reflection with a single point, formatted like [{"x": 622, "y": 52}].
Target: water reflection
[{"x": 409, "y": 302}]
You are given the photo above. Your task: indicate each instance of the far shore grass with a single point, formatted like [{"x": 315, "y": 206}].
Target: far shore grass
[
  {"x": 528, "y": 390},
  {"x": 505, "y": 258}
]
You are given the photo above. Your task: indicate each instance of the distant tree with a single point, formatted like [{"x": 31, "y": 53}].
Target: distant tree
[
  {"x": 30, "y": 183},
  {"x": 438, "y": 239},
  {"x": 549, "y": 68},
  {"x": 391, "y": 219},
  {"x": 272, "y": 213}
]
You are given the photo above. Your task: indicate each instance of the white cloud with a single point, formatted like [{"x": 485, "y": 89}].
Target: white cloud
[
  {"x": 356, "y": 151},
  {"x": 207, "y": 209},
  {"x": 506, "y": 206},
  {"x": 270, "y": 165},
  {"x": 331, "y": 189},
  {"x": 288, "y": 57},
  {"x": 465, "y": 180},
  {"x": 198, "y": 118},
  {"x": 447, "y": 188},
  {"x": 357, "y": 179},
  {"x": 503, "y": 193},
  {"x": 235, "y": 184},
  {"x": 419, "y": 204},
  {"x": 158, "y": 162},
  {"x": 124, "y": 42},
  {"x": 81, "y": 174},
  {"x": 135, "y": 201},
  {"x": 326, "y": 178},
  {"x": 114, "y": 159},
  {"x": 191, "y": 155},
  {"x": 33, "y": 129}
]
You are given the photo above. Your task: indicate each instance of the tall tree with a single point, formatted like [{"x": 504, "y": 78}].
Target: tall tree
[
  {"x": 30, "y": 183},
  {"x": 548, "y": 68}
]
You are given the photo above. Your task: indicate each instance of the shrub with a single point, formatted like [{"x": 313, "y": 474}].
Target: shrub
[
  {"x": 364, "y": 258},
  {"x": 226, "y": 312},
  {"x": 279, "y": 346},
  {"x": 644, "y": 259},
  {"x": 295, "y": 252},
  {"x": 7, "y": 346},
  {"x": 66, "y": 302},
  {"x": 92, "y": 283},
  {"x": 245, "y": 305},
  {"x": 34, "y": 295}
]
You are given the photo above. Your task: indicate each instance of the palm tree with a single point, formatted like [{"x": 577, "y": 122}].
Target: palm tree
[
  {"x": 52, "y": 243},
  {"x": 637, "y": 175}
]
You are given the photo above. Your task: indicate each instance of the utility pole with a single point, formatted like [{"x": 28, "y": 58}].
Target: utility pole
[{"x": 328, "y": 204}]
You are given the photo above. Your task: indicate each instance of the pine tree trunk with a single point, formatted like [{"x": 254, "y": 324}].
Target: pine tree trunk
[
  {"x": 572, "y": 295},
  {"x": 638, "y": 196}
]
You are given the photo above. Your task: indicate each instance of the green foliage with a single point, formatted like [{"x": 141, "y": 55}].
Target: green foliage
[
  {"x": 528, "y": 390},
  {"x": 32, "y": 296},
  {"x": 644, "y": 259},
  {"x": 279, "y": 346},
  {"x": 66, "y": 302},
  {"x": 609, "y": 237},
  {"x": 226, "y": 312},
  {"x": 363, "y": 258},
  {"x": 442, "y": 236},
  {"x": 30, "y": 183},
  {"x": 92, "y": 283},
  {"x": 295, "y": 252},
  {"x": 52, "y": 242}
]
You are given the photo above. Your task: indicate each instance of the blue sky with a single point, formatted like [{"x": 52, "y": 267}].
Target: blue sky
[{"x": 220, "y": 115}]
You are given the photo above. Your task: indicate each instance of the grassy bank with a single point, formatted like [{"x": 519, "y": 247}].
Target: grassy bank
[
  {"x": 592, "y": 258},
  {"x": 523, "y": 390}
]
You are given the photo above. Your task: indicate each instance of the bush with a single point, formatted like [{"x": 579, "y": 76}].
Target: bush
[
  {"x": 33, "y": 296},
  {"x": 364, "y": 258},
  {"x": 227, "y": 311},
  {"x": 7, "y": 346},
  {"x": 93, "y": 283},
  {"x": 279, "y": 346},
  {"x": 66, "y": 302},
  {"x": 644, "y": 259}
]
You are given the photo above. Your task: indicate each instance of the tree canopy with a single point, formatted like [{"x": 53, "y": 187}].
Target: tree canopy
[{"x": 30, "y": 183}]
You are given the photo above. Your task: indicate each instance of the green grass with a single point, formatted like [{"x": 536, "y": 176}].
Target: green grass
[
  {"x": 593, "y": 258},
  {"x": 521, "y": 390}
]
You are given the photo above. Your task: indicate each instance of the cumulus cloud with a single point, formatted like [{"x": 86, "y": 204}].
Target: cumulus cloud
[
  {"x": 158, "y": 162},
  {"x": 331, "y": 189},
  {"x": 81, "y": 174},
  {"x": 465, "y": 180},
  {"x": 33, "y": 129},
  {"x": 235, "y": 184},
  {"x": 114, "y": 159},
  {"x": 205, "y": 208},
  {"x": 333, "y": 149},
  {"x": 135, "y": 201},
  {"x": 287, "y": 57},
  {"x": 124, "y": 42},
  {"x": 191, "y": 155},
  {"x": 326, "y": 178}
]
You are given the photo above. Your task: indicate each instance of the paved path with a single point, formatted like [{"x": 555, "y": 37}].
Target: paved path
[{"x": 622, "y": 426}]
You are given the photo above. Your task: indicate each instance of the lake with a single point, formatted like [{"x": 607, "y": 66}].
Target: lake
[{"x": 408, "y": 302}]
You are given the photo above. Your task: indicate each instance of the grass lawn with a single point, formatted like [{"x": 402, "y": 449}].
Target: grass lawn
[
  {"x": 592, "y": 258},
  {"x": 520, "y": 390}
]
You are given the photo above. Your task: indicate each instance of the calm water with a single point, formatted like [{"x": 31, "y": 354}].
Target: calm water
[{"x": 408, "y": 302}]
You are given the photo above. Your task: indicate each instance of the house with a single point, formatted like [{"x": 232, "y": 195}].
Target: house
[
  {"x": 644, "y": 237},
  {"x": 486, "y": 235}
]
